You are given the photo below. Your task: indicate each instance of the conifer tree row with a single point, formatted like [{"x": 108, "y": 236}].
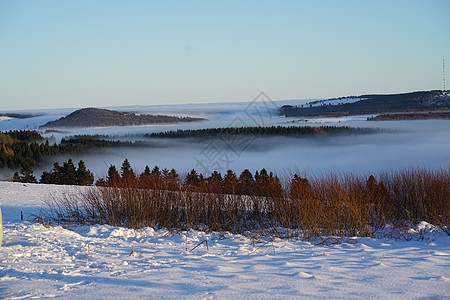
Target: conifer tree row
[
  {"x": 24, "y": 148},
  {"x": 65, "y": 174},
  {"x": 293, "y": 131},
  {"x": 263, "y": 183}
]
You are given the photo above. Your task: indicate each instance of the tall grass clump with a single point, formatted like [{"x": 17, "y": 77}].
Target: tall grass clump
[
  {"x": 420, "y": 195},
  {"x": 292, "y": 206}
]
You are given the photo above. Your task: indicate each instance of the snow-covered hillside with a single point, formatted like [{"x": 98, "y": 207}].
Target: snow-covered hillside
[
  {"x": 441, "y": 99},
  {"x": 338, "y": 101},
  {"x": 99, "y": 261}
]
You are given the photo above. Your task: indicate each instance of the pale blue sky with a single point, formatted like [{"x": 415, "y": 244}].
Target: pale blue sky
[{"x": 109, "y": 53}]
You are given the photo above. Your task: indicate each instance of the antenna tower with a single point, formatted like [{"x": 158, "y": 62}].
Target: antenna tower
[{"x": 443, "y": 69}]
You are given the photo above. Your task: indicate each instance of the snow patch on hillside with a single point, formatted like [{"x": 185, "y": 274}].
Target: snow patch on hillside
[
  {"x": 339, "y": 101},
  {"x": 441, "y": 99},
  {"x": 5, "y": 118}
]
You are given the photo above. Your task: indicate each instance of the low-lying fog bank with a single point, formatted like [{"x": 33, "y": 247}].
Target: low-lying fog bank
[
  {"x": 412, "y": 143},
  {"x": 361, "y": 154}
]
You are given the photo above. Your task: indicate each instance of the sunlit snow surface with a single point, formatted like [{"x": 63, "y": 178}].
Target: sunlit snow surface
[{"x": 94, "y": 262}]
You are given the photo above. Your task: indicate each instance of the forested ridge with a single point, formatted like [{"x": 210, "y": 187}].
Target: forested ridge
[
  {"x": 23, "y": 148},
  {"x": 373, "y": 104},
  {"x": 445, "y": 115},
  {"x": 293, "y": 131}
]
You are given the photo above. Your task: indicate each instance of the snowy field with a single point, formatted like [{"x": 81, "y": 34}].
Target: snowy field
[{"x": 98, "y": 262}]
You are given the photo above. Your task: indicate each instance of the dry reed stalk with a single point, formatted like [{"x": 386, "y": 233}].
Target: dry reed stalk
[{"x": 320, "y": 205}]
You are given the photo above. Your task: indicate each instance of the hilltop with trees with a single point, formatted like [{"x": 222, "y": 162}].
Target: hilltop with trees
[
  {"x": 371, "y": 104},
  {"x": 96, "y": 117}
]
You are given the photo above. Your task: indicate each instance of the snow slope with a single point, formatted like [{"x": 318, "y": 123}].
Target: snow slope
[{"x": 99, "y": 262}]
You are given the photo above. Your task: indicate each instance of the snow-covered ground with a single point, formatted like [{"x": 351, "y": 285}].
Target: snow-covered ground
[{"x": 98, "y": 261}]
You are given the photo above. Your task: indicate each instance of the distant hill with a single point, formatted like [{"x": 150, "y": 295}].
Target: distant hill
[
  {"x": 445, "y": 115},
  {"x": 96, "y": 117},
  {"x": 371, "y": 104},
  {"x": 19, "y": 116}
]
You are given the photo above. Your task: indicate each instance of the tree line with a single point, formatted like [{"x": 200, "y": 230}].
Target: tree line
[
  {"x": 95, "y": 142},
  {"x": 23, "y": 148},
  {"x": 66, "y": 174},
  {"x": 257, "y": 203},
  {"x": 293, "y": 131},
  {"x": 24, "y": 135},
  {"x": 262, "y": 183}
]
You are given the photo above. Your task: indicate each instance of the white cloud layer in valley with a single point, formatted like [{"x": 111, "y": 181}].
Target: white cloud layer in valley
[{"x": 410, "y": 143}]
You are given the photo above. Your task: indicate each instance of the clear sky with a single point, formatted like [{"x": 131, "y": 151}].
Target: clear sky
[{"x": 77, "y": 53}]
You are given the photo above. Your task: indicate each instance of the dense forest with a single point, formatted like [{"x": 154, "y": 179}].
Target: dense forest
[
  {"x": 96, "y": 141},
  {"x": 292, "y": 131},
  {"x": 23, "y": 148}
]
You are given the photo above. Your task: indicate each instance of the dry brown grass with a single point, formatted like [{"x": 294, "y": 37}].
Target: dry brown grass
[{"x": 330, "y": 204}]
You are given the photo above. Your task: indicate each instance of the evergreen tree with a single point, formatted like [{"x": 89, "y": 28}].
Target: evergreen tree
[
  {"x": 126, "y": 170},
  {"x": 245, "y": 183},
  {"x": 46, "y": 178},
  {"x": 229, "y": 182},
  {"x": 165, "y": 173},
  {"x": 145, "y": 178},
  {"x": 215, "y": 182},
  {"x": 84, "y": 176},
  {"x": 156, "y": 172},
  {"x": 192, "y": 179},
  {"x": 215, "y": 177},
  {"x": 69, "y": 174},
  {"x": 300, "y": 188},
  {"x": 172, "y": 180},
  {"x": 56, "y": 175},
  {"x": 257, "y": 178},
  {"x": 27, "y": 175},
  {"x": 371, "y": 183},
  {"x": 146, "y": 172},
  {"x": 173, "y": 174},
  {"x": 263, "y": 176},
  {"x": 16, "y": 177},
  {"x": 113, "y": 176}
]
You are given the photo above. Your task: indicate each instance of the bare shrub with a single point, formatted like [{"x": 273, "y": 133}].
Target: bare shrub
[{"x": 329, "y": 204}]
